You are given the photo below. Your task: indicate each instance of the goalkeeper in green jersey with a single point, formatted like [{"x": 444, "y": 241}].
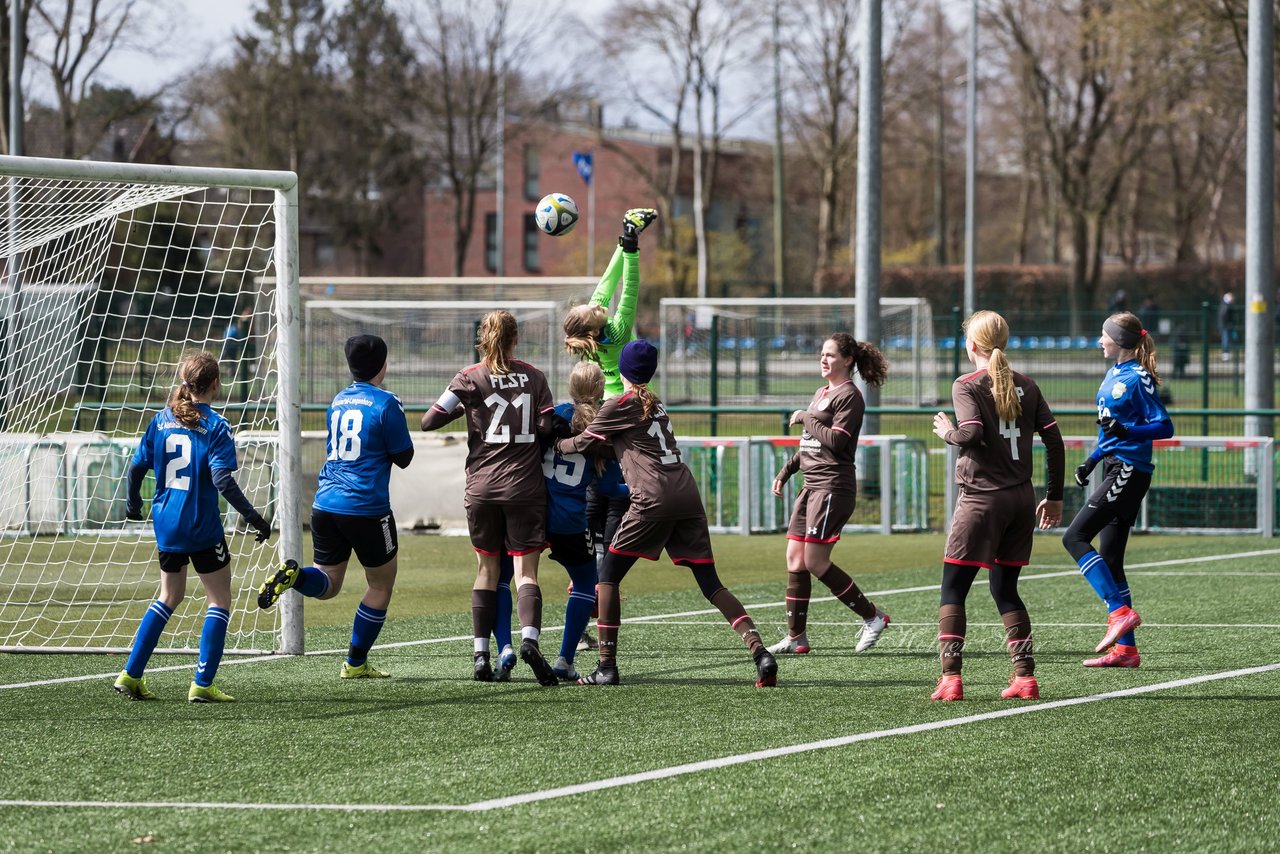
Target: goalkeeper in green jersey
[{"x": 589, "y": 331}]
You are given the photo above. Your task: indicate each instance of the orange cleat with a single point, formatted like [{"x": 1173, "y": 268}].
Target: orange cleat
[
  {"x": 949, "y": 688},
  {"x": 1121, "y": 620},
  {"x": 1022, "y": 688},
  {"x": 1119, "y": 655}
]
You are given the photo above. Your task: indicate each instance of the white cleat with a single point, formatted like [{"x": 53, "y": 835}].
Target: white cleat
[
  {"x": 798, "y": 645},
  {"x": 871, "y": 631}
]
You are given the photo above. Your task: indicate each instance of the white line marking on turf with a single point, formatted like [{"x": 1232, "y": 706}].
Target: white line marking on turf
[
  {"x": 675, "y": 770},
  {"x": 1037, "y": 624},
  {"x": 646, "y": 619}
]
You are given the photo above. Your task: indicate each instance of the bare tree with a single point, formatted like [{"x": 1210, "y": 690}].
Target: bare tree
[
  {"x": 694, "y": 49},
  {"x": 1089, "y": 70},
  {"x": 79, "y": 36},
  {"x": 6, "y": 88}
]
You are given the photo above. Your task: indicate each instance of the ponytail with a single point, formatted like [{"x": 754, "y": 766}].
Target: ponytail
[
  {"x": 498, "y": 336},
  {"x": 868, "y": 361},
  {"x": 648, "y": 400},
  {"x": 197, "y": 372},
  {"x": 582, "y": 327},
  {"x": 989, "y": 333},
  {"x": 1008, "y": 404}
]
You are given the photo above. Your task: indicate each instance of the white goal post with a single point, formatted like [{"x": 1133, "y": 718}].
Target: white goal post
[{"x": 111, "y": 271}]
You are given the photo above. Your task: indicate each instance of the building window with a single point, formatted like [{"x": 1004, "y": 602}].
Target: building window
[
  {"x": 532, "y": 238},
  {"x": 531, "y": 175},
  {"x": 491, "y": 242}
]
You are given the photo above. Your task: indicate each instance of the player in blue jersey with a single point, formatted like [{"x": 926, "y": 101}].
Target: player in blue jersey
[
  {"x": 193, "y": 454},
  {"x": 1130, "y": 417},
  {"x": 567, "y": 476},
  {"x": 352, "y": 508}
]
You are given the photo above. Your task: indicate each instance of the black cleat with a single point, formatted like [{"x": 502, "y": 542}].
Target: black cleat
[
  {"x": 766, "y": 670},
  {"x": 275, "y": 586},
  {"x": 604, "y": 674},
  {"x": 484, "y": 670},
  {"x": 532, "y": 656}
]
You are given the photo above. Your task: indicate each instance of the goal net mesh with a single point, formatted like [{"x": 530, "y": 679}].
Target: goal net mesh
[{"x": 105, "y": 286}]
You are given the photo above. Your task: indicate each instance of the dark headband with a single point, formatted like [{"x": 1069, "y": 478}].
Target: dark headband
[{"x": 1126, "y": 339}]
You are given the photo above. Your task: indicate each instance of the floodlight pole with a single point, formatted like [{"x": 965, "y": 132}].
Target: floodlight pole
[
  {"x": 866, "y": 315},
  {"x": 1259, "y": 327},
  {"x": 10, "y": 321},
  {"x": 971, "y": 163}
]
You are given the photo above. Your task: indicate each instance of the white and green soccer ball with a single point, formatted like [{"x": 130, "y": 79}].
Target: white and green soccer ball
[{"x": 556, "y": 214}]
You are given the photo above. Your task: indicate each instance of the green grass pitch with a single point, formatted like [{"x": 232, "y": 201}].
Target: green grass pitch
[{"x": 846, "y": 753}]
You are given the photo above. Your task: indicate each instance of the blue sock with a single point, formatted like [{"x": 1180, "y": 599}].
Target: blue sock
[
  {"x": 577, "y": 611},
  {"x": 1128, "y": 638},
  {"x": 364, "y": 631},
  {"x": 312, "y": 582},
  {"x": 502, "y": 616},
  {"x": 212, "y": 639},
  {"x": 144, "y": 643},
  {"x": 1098, "y": 574}
]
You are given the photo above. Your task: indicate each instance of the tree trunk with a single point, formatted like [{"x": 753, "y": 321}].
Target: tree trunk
[{"x": 1079, "y": 270}]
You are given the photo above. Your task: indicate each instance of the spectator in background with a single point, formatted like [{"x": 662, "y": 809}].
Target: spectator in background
[
  {"x": 1119, "y": 301},
  {"x": 1151, "y": 313},
  {"x": 238, "y": 349},
  {"x": 1227, "y": 323}
]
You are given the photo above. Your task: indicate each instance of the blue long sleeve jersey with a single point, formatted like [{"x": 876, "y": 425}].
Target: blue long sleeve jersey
[
  {"x": 1128, "y": 394},
  {"x": 185, "y": 510},
  {"x": 568, "y": 476}
]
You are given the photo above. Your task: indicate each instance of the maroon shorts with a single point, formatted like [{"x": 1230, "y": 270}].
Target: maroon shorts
[
  {"x": 517, "y": 529},
  {"x": 989, "y": 528},
  {"x": 818, "y": 517},
  {"x": 686, "y": 540}
]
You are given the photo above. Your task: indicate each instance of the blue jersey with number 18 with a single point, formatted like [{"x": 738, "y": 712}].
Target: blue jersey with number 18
[
  {"x": 184, "y": 511},
  {"x": 366, "y": 426}
]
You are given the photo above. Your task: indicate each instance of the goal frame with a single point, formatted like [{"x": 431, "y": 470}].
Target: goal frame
[{"x": 284, "y": 186}]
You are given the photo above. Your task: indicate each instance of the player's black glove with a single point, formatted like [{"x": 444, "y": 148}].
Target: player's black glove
[
  {"x": 1113, "y": 428},
  {"x": 133, "y": 515},
  {"x": 263, "y": 527},
  {"x": 1084, "y": 470}
]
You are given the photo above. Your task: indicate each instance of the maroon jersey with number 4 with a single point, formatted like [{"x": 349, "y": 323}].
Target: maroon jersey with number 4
[
  {"x": 504, "y": 461},
  {"x": 830, "y": 440},
  {"x": 996, "y": 454},
  {"x": 662, "y": 487}
]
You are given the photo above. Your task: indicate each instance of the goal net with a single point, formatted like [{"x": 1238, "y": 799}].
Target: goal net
[
  {"x": 111, "y": 272},
  {"x": 428, "y": 341},
  {"x": 738, "y": 351}
]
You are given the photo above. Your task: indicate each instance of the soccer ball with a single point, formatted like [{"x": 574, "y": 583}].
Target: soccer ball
[{"x": 557, "y": 214}]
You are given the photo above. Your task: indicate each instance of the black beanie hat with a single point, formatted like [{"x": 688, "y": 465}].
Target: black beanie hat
[
  {"x": 638, "y": 361},
  {"x": 366, "y": 354}
]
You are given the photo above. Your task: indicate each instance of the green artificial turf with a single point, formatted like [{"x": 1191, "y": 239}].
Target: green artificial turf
[{"x": 1182, "y": 768}]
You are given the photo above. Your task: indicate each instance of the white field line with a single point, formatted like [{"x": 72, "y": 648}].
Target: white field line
[
  {"x": 664, "y": 773},
  {"x": 1036, "y": 624},
  {"x": 646, "y": 619}
]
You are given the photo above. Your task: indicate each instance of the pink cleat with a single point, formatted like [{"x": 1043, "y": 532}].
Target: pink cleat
[
  {"x": 1119, "y": 655},
  {"x": 1121, "y": 620},
  {"x": 1022, "y": 688},
  {"x": 949, "y": 688}
]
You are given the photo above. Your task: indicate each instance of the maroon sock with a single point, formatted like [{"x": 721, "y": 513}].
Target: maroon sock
[
  {"x": 799, "y": 586},
  {"x": 951, "y": 629},
  {"x": 529, "y": 606},
  {"x": 1017, "y": 634},
  {"x": 610, "y": 605},
  {"x": 733, "y": 611},
  {"x": 484, "y": 612},
  {"x": 847, "y": 592}
]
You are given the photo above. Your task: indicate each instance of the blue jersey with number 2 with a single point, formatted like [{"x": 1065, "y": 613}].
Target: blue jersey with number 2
[
  {"x": 184, "y": 511},
  {"x": 366, "y": 426}
]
